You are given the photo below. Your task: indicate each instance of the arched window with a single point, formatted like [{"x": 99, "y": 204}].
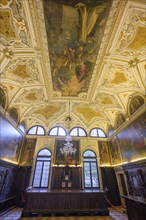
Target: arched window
[
  {"x": 36, "y": 130},
  {"x": 57, "y": 131},
  {"x": 78, "y": 132},
  {"x": 97, "y": 132},
  {"x": 91, "y": 179},
  {"x": 42, "y": 169}
]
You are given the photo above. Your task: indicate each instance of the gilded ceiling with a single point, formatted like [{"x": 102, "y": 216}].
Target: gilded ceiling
[{"x": 90, "y": 54}]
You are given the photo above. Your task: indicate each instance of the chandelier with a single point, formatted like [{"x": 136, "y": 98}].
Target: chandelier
[{"x": 68, "y": 148}]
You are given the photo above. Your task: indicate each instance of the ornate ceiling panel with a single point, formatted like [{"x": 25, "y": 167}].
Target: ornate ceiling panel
[
  {"x": 23, "y": 71},
  {"x": 74, "y": 33},
  {"x": 90, "y": 54},
  {"x": 14, "y": 29}
]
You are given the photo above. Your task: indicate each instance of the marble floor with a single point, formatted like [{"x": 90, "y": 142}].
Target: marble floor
[{"x": 114, "y": 214}]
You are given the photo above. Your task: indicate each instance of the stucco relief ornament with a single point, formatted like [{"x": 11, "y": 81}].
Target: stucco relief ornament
[{"x": 130, "y": 41}]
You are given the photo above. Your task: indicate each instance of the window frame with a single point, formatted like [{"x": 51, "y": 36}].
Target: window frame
[
  {"x": 38, "y": 160},
  {"x": 57, "y": 131},
  {"x": 78, "y": 131},
  {"x": 98, "y": 136},
  {"x": 90, "y": 166},
  {"x": 37, "y": 127}
]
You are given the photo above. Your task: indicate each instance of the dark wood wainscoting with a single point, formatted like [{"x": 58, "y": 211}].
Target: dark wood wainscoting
[
  {"x": 110, "y": 184},
  {"x": 52, "y": 202},
  {"x": 14, "y": 180},
  {"x": 8, "y": 175},
  {"x": 66, "y": 178},
  {"x": 22, "y": 182},
  {"x": 136, "y": 178},
  {"x": 136, "y": 207}
]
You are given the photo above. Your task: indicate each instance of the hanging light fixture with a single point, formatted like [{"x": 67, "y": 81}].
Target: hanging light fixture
[{"x": 68, "y": 148}]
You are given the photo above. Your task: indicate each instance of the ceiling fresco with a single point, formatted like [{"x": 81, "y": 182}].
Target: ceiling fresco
[
  {"x": 84, "y": 58},
  {"x": 74, "y": 33}
]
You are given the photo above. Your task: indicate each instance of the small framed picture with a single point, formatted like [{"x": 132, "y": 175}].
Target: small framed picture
[
  {"x": 69, "y": 184},
  {"x": 63, "y": 184}
]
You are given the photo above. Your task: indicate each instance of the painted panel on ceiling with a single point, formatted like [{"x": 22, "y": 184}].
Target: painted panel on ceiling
[{"x": 74, "y": 32}]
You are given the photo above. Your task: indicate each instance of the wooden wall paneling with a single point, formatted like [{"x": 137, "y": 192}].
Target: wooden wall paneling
[
  {"x": 74, "y": 178},
  {"x": 48, "y": 203},
  {"x": 111, "y": 185},
  {"x": 22, "y": 182},
  {"x": 136, "y": 207},
  {"x": 60, "y": 202},
  {"x": 77, "y": 177},
  {"x": 73, "y": 202},
  {"x": 84, "y": 201},
  {"x": 8, "y": 173},
  {"x": 64, "y": 201},
  {"x": 136, "y": 178}
]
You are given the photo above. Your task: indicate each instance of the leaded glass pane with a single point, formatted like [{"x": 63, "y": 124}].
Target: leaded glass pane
[
  {"x": 61, "y": 132},
  {"x": 89, "y": 153},
  {"x": 101, "y": 133},
  {"x": 37, "y": 175},
  {"x": 90, "y": 170},
  {"x": 87, "y": 175},
  {"x": 32, "y": 130},
  {"x": 40, "y": 131},
  {"x": 44, "y": 152},
  {"x": 45, "y": 174},
  {"x": 53, "y": 131},
  {"x": 94, "y": 174},
  {"x": 82, "y": 132},
  {"x": 74, "y": 132},
  {"x": 42, "y": 169},
  {"x": 94, "y": 133}
]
